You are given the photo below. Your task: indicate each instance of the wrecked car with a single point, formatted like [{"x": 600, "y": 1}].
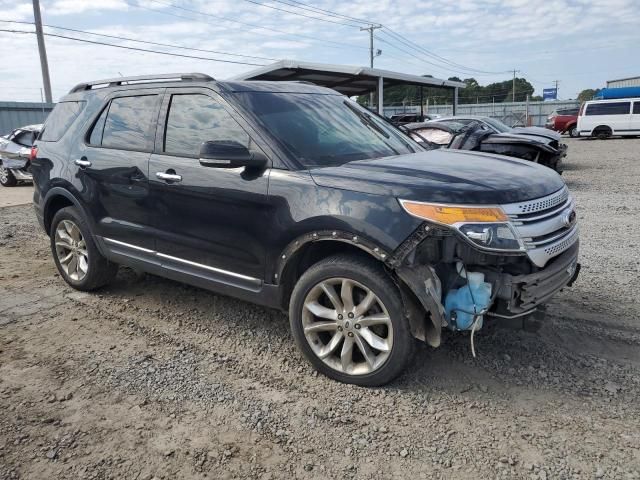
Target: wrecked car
[
  {"x": 15, "y": 152},
  {"x": 292, "y": 196},
  {"x": 475, "y": 136},
  {"x": 404, "y": 118}
]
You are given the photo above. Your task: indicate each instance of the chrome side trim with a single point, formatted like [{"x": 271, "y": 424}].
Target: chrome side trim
[
  {"x": 207, "y": 267},
  {"x": 182, "y": 260},
  {"x": 128, "y": 245}
]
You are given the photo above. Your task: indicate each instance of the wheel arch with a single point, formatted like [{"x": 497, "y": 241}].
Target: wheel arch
[
  {"x": 601, "y": 127},
  {"x": 56, "y": 199},
  {"x": 423, "y": 310},
  {"x": 312, "y": 247}
]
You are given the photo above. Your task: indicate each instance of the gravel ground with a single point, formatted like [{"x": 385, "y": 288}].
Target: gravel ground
[{"x": 149, "y": 378}]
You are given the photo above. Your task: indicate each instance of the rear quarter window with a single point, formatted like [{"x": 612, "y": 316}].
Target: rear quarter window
[
  {"x": 613, "y": 108},
  {"x": 126, "y": 123},
  {"x": 60, "y": 119},
  {"x": 636, "y": 108}
]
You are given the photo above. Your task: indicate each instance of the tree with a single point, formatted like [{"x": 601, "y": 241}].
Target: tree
[
  {"x": 472, "y": 93},
  {"x": 587, "y": 94}
]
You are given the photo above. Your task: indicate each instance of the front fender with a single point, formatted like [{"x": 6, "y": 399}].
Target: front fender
[{"x": 357, "y": 240}]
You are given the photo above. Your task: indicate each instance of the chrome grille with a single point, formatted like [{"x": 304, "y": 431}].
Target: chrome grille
[{"x": 546, "y": 225}]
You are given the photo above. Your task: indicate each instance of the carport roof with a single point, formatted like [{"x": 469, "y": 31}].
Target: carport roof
[{"x": 347, "y": 79}]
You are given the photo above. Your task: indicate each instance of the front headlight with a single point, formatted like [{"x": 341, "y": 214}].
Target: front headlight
[{"x": 487, "y": 227}]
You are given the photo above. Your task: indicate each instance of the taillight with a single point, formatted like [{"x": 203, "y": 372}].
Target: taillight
[{"x": 33, "y": 154}]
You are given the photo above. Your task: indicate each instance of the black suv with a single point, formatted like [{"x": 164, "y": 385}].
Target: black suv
[{"x": 292, "y": 196}]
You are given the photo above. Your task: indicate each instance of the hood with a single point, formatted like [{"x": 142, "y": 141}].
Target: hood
[
  {"x": 444, "y": 176},
  {"x": 519, "y": 139},
  {"x": 538, "y": 132}
]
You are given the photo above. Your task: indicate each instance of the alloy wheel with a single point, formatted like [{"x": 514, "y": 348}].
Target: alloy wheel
[
  {"x": 4, "y": 175},
  {"x": 347, "y": 326},
  {"x": 71, "y": 250}
]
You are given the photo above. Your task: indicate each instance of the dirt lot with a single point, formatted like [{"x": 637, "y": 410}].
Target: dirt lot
[{"x": 149, "y": 378}]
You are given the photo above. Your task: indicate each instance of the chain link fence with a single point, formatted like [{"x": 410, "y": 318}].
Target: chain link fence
[{"x": 511, "y": 113}]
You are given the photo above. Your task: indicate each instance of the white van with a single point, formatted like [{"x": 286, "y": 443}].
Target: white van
[{"x": 604, "y": 118}]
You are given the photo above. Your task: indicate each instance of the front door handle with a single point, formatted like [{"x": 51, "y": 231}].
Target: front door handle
[
  {"x": 82, "y": 162},
  {"x": 169, "y": 177}
]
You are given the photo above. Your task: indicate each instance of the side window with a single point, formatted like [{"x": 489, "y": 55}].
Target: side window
[
  {"x": 128, "y": 123},
  {"x": 611, "y": 108},
  {"x": 96, "y": 133},
  {"x": 194, "y": 119},
  {"x": 59, "y": 120},
  {"x": 636, "y": 108}
]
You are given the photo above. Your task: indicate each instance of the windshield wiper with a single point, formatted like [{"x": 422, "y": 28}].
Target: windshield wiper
[{"x": 366, "y": 119}]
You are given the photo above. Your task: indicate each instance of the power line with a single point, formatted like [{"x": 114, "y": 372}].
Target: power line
[
  {"x": 423, "y": 60},
  {"x": 301, "y": 14},
  {"x": 143, "y": 41},
  {"x": 94, "y": 42},
  {"x": 435, "y": 56},
  {"x": 309, "y": 38},
  {"x": 322, "y": 11},
  {"x": 389, "y": 32}
]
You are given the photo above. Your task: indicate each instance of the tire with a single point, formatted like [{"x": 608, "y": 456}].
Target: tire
[
  {"x": 573, "y": 131},
  {"x": 71, "y": 240},
  {"x": 7, "y": 179},
  {"x": 602, "y": 133},
  {"x": 383, "y": 316}
]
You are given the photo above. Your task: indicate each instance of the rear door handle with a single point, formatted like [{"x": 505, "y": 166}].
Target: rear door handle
[
  {"x": 169, "y": 177},
  {"x": 82, "y": 162}
]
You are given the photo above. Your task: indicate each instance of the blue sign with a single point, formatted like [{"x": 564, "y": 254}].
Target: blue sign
[{"x": 550, "y": 94}]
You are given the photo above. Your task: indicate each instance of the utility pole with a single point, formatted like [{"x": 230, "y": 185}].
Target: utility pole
[
  {"x": 556, "y": 82},
  {"x": 513, "y": 89},
  {"x": 372, "y": 55},
  {"x": 44, "y": 65}
]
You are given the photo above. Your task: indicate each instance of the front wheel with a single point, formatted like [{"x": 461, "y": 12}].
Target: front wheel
[
  {"x": 7, "y": 179},
  {"x": 573, "y": 132},
  {"x": 347, "y": 318}
]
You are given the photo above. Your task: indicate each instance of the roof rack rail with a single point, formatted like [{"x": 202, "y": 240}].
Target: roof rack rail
[{"x": 116, "y": 82}]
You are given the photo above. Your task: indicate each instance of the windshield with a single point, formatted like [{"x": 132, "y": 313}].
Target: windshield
[
  {"x": 497, "y": 124},
  {"x": 324, "y": 130}
]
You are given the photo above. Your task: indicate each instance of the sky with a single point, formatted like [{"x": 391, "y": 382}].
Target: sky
[{"x": 580, "y": 43}]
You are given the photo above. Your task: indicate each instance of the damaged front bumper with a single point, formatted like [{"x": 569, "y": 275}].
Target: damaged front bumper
[
  {"x": 426, "y": 265},
  {"x": 523, "y": 293}
]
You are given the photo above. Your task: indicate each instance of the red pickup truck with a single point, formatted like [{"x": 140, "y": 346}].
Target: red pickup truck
[{"x": 564, "y": 121}]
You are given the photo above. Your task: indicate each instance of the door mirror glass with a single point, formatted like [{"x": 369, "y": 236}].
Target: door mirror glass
[{"x": 228, "y": 154}]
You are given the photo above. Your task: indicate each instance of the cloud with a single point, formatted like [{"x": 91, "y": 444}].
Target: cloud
[
  {"x": 547, "y": 40},
  {"x": 67, "y": 7}
]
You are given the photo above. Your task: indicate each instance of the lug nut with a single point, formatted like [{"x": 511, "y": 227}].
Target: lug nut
[
  {"x": 340, "y": 317},
  {"x": 350, "y": 334},
  {"x": 339, "y": 329},
  {"x": 357, "y": 326},
  {"x": 350, "y": 315}
]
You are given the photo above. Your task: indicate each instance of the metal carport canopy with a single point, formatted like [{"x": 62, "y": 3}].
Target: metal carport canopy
[{"x": 347, "y": 79}]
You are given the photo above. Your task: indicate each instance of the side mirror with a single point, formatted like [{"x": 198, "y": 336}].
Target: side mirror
[{"x": 229, "y": 154}]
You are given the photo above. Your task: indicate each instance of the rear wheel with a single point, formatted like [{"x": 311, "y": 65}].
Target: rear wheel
[
  {"x": 602, "y": 133},
  {"x": 75, "y": 253},
  {"x": 7, "y": 179},
  {"x": 347, "y": 318}
]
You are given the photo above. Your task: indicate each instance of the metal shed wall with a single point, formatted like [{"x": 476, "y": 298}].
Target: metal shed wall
[
  {"x": 19, "y": 114},
  {"x": 624, "y": 82}
]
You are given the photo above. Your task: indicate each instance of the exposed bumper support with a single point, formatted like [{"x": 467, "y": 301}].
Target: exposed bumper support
[{"x": 524, "y": 292}]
